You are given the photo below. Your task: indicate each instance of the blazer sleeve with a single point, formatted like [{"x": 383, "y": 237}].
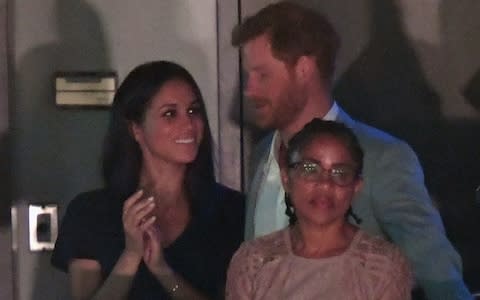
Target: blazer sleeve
[{"x": 407, "y": 215}]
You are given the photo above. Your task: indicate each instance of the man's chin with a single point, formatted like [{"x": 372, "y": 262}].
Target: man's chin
[{"x": 264, "y": 124}]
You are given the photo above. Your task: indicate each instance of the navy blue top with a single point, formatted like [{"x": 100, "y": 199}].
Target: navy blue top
[{"x": 92, "y": 228}]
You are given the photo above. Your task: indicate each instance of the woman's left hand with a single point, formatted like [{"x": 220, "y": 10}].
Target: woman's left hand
[{"x": 153, "y": 252}]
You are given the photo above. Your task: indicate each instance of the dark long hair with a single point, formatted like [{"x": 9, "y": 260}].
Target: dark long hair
[
  {"x": 315, "y": 128},
  {"x": 122, "y": 157}
]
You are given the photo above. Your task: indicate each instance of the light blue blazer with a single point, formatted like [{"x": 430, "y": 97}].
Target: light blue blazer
[{"x": 393, "y": 203}]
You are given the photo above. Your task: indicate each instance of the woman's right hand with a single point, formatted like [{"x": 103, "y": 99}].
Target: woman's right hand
[{"x": 136, "y": 220}]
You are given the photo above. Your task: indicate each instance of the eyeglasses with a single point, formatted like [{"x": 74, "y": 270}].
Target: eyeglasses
[{"x": 312, "y": 171}]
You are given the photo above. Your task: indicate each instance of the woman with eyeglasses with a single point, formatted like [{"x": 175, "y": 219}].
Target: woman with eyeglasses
[{"x": 320, "y": 255}]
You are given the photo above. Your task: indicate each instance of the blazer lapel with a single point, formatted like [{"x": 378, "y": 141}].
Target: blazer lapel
[
  {"x": 344, "y": 118},
  {"x": 259, "y": 160}
]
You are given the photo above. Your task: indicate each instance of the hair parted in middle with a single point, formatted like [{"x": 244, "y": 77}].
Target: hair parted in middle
[
  {"x": 122, "y": 157},
  {"x": 316, "y": 128}
]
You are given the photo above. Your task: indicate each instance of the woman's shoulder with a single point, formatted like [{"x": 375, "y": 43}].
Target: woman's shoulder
[
  {"x": 228, "y": 199},
  {"x": 375, "y": 246},
  {"x": 254, "y": 255},
  {"x": 265, "y": 248},
  {"x": 94, "y": 204},
  {"x": 91, "y": 196},
  {"x": 379, "y": 255},
  {"x": 90, "y": 228},
  {"x": 226, "y": 192},
  {"x": 93, "y": 199}
]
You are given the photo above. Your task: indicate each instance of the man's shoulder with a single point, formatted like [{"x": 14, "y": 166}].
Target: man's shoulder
[
  {"x": 366, "y": 133},
  {"x": 375, "y": 141},
  {"x": 372, "y": 135}
]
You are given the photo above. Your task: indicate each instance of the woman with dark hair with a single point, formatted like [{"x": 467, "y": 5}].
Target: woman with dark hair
[
  {"x": 162, "y": 228},
  {"x": 320, "y": 255}
]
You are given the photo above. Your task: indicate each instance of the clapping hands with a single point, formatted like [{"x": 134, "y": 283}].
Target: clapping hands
[
  {"x": 136, "y": 220},
  {"x": 142, "y": 237}
]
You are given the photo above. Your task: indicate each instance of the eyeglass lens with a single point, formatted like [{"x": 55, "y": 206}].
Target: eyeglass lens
[{"x": 341, "y": 175}]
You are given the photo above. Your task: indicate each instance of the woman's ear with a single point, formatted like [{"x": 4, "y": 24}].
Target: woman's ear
[
  {"x": 285, "y": 179},
  {"x": 358, "y": 185},
  {"x": 136, "y": 131}
]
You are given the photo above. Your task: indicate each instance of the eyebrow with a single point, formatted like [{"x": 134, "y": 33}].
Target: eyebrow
[
  {"x": 167, "y": 105},
  {"x": 173, "y": 105},
  {"x": 337, "y": 164},
  {"x": 307, "y": 159},
  {"x": 259, "y": 67}
]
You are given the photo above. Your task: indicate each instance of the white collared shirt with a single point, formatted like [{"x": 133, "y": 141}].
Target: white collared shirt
[{"x": 270, "y": 203}]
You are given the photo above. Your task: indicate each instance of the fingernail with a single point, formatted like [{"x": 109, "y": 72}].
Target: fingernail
[
  {"x": 150, "y": 198},
  {"x": 139, "y": 192}
]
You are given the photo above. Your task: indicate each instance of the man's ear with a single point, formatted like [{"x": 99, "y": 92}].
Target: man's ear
[{"x": 305, "y": 67}]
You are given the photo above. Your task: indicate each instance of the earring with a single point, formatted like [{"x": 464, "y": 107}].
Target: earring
[
  {"x": 354, "y": 216},
  {"x": 290, "y": 210}
]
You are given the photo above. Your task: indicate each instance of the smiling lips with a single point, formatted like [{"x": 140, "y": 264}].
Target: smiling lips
[{"x": 185, "y": 141}]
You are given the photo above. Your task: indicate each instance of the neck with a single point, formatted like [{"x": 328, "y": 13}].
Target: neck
[
  {"x": 164, "y": 179},
  {"x": 317, "y": 105},
  {"x": 165, "y": 182},
  {"x": 314, "y": 241}
]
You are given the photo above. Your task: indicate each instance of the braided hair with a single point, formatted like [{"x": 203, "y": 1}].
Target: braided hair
[{"x": 315, "y": 128}]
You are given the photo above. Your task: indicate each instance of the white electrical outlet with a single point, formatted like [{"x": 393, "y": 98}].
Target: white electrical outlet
[{"x": 43, "y": 226}]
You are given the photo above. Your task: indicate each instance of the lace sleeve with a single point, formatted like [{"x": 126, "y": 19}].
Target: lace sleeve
[
  {"x": 400, "y": 285},
  {"x": 239, "y": 276},
  {"x": 249, "y": 261}
]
